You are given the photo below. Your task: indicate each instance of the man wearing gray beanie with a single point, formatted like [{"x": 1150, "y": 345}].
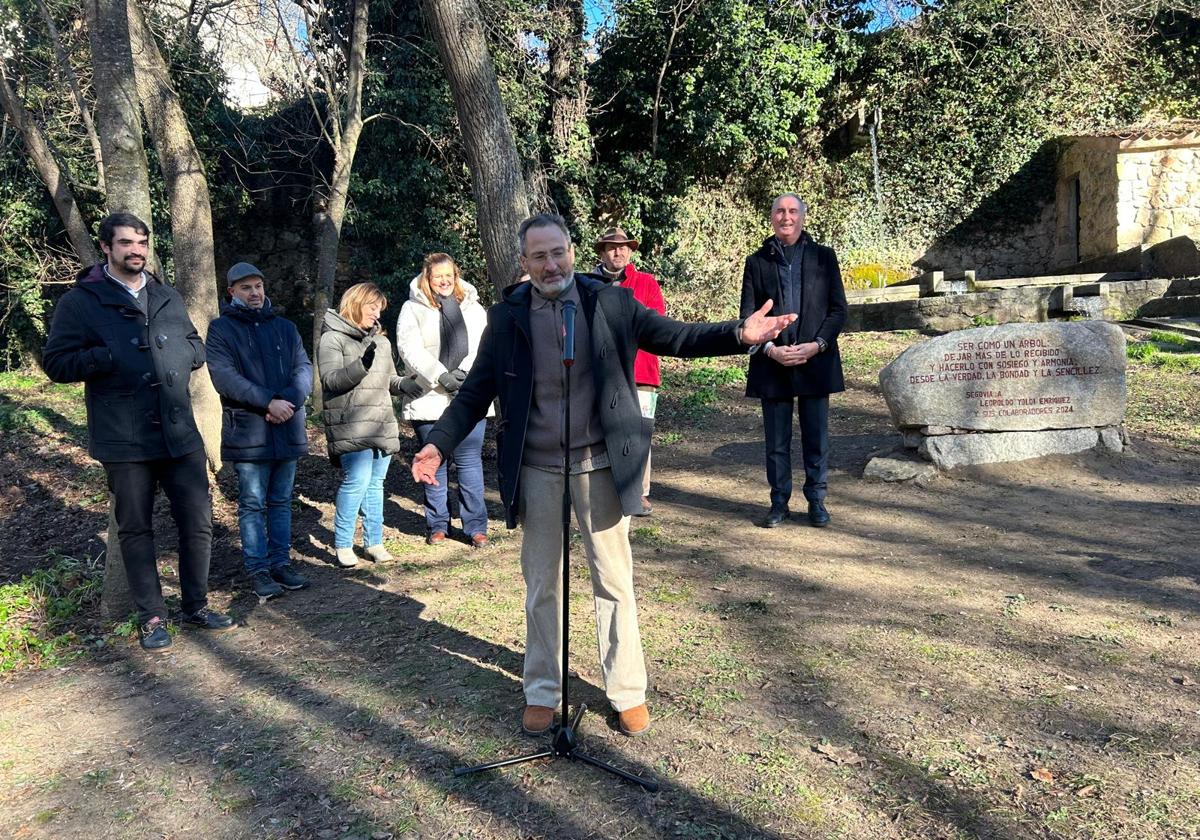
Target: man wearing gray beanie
[{"x": 258, "y": 366}]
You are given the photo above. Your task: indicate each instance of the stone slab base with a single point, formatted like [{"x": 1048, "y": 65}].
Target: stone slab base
[
  {"x": 950, "y": 451},
  {"x": 899, "y": 466}
]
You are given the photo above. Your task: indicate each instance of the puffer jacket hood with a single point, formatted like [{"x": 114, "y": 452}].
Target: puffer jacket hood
[
  {"x": 358, "y": 411},
  {"x": 418, "y": 339}
]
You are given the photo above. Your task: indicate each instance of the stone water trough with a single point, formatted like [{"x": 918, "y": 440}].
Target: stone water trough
[{"x": 1005, "y": 393}]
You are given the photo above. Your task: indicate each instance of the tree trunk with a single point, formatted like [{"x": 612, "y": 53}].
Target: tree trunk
[
  {"x": 191, "y": 212},
  {"x": 328, "y": 222},
  {"x": 68, "y": 74},
  {"x": 47, "y": 166},
  {"x": 496, "y": 180},
  {"x": 569, "y": 144},
  {"x": 118, "y": 124},
  {"x": 127, "y": 182}
]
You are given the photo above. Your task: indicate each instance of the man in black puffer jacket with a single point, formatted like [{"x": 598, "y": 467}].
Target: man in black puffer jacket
[
  {"x": 127, "y": 336},
  {"x": 259, "y": 367}
]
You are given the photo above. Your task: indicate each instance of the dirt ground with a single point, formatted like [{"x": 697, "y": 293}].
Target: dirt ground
[{"x": 1010, "y": 652}]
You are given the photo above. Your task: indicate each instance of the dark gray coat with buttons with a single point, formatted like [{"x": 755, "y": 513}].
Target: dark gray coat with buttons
[
  {"x": 135, "y": 368},
  {"x": 619, "y": 327}
]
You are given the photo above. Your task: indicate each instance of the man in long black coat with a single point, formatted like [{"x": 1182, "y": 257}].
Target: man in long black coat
[
  {"x": 802, "y": 365},
  {"x": 520, "y": 363},
  {"x": 127, "y": 336}
]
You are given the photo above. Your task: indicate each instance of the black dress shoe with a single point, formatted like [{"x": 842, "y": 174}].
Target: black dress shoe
[
  {"x": 207, "y": 619},
  {"x": 818, "y": 517},
  {"x": 775, "y": 516},
  {"x": 153, "y": 635}
]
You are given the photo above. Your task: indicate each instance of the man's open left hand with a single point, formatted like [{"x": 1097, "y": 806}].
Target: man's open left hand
[{"x": 761, "y": 327}]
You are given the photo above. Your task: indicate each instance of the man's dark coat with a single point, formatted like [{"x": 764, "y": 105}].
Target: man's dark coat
[
  {"x": 135, "y": 368},
  {"x": 822, "y": 314},
  {"x": 618, "y": 326},
  {"x": 255, "y": 356}
]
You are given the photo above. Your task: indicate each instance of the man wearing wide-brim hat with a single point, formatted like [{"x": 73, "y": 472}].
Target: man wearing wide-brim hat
[{"x": 615, "y": 249}]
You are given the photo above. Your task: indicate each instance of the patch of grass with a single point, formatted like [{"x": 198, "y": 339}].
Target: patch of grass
[
  {"x": 48, "y": 815},
  {"x": 97, "y": 778},
  {"x": 1013, "y": 605},
  {"x": 983, "y": 321},
  {"x": 19, "y": 380},
  {"x": 1165, "y": 350},
  {"x": 937, "y": 652},
  {"x": 35, "y": 611},
  {"x": 672, "y": 594},
  {"x": 865, "y": 354},
  {"x": 28, "y": 419},
  {"x": 705, "y": 701},
  {"x": 651, "y": 535},
  {"x": 667, "y": 438},
  {"x": 1167, "y": 337},
  {"x": 1173, "y": 811},
  {"x": 707, "y": 374}
]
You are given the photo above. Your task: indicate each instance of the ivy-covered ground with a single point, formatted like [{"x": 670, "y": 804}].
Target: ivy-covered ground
[{"x": 1010, "y": 653}]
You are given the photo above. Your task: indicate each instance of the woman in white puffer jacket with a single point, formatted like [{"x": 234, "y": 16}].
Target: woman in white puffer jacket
[{"x": 438, "y": 334}]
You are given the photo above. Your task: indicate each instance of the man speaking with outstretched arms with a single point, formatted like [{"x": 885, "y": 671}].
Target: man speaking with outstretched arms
[{"x": 520, "y": 363}]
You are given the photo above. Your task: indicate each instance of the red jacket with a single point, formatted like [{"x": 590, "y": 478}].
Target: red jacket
[{"x": 646, "y": 292}]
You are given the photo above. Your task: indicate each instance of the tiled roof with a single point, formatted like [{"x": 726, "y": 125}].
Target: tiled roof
[{"x": 1156, "y": 130}]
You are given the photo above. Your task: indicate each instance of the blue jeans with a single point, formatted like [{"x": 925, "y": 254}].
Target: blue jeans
[
  {"x": 265, "y": 511},
  {"x": 361, "y": 490},
  {"x": 468, "y": 458}
]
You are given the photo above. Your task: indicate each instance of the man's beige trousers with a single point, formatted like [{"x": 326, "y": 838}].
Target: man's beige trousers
[{"x": 605, "y": 533}]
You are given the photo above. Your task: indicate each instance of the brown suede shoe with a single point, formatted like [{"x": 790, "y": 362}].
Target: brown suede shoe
[
  {"x": 537, "y": 720},
  {"x": 479, "y": 541},
  {"x": 635, "y": 721},
  {"x": 436, "y": 538}
]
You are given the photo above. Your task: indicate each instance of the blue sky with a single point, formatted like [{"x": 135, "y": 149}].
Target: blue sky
[{"x": 598, "y": 11}]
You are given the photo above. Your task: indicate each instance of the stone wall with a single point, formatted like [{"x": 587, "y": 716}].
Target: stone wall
[
  {"x": 1132, "y": 192},
  {"x": 1027, "y": 250},
  {"x": 1024, "y": 304},
  {"x": 1159, "y": 194},
  {"x": 1093, "y": 161}
]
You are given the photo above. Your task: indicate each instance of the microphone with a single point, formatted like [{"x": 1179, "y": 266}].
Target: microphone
[{"x": 568, "y": 354}]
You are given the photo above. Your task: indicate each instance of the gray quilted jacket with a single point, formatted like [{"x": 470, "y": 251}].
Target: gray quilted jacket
[{"x": 358, "y": 410}]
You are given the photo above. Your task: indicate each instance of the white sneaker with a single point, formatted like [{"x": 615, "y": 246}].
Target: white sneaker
[
  {"x": 346, "y": 558},
  {"x": 379, "y": 554}
]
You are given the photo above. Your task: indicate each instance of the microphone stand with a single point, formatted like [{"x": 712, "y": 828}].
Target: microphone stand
[{"x": 564, "y": 741}]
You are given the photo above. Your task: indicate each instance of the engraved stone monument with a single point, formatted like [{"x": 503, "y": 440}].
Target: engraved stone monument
[{"x": 1010, "y": 392}]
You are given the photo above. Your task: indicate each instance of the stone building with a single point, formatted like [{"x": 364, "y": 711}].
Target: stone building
[
  {"x": 1127, "y": 189},
  {"x": 1115, "y": 194}
]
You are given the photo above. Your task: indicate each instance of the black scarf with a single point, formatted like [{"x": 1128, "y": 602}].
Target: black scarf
[{"x": 452, "y": 336}]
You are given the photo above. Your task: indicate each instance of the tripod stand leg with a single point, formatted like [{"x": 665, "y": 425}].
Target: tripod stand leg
[
  {"x": 504, "y": 762},
  {"x": 649, "y": 784}
]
